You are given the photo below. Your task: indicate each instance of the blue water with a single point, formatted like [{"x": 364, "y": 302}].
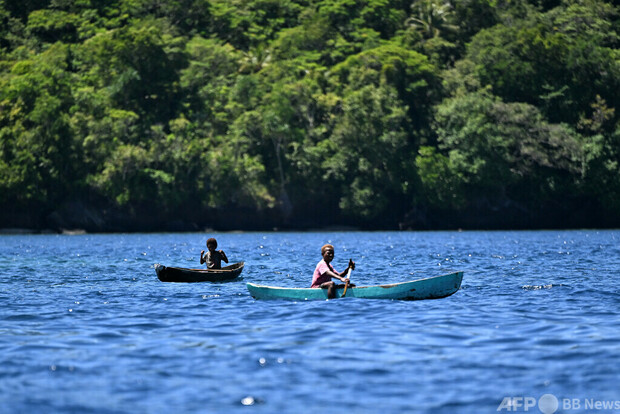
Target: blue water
[{"x": 86, "y": 326}]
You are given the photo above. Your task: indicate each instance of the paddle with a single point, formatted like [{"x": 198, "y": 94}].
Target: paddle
[{"x": 346, "y": 283}]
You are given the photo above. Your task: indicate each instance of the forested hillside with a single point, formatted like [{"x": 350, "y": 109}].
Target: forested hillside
[{"x": 123, "y": 115}]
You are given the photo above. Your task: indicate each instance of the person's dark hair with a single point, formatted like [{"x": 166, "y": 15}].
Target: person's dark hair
[{"x": 212, "y": 241}]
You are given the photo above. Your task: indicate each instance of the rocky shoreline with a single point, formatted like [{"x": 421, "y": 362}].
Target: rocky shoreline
[{"x": 78, "y": 217}]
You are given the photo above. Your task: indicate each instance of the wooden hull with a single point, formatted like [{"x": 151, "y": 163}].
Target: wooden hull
[
  {"x": 430, "y": 288},
  {"x": 182, "y": 275}
]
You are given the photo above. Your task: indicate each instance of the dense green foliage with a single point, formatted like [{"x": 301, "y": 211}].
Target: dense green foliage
[{"x": 316, "y": 112}]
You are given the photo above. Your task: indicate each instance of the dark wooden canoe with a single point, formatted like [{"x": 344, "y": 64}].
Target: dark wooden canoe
[{"x": 180, "y": 274}]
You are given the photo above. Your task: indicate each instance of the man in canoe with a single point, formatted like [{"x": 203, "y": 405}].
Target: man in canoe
[
  {"x": 213, "y": 258},
  {"x": 324, "y": 272}
]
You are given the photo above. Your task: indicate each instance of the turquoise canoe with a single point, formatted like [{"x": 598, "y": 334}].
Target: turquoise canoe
[{"x": 429, "y": 288}]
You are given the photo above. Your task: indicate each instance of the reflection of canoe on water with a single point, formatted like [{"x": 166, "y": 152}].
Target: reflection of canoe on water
[
  {"x": 179, "y": 274},
  {"x": 430, "y": 288}
]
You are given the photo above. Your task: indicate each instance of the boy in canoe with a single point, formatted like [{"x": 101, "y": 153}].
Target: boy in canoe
[
  {"x": 213, "y": 257},
  {"x": 324, "y": 272}
]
